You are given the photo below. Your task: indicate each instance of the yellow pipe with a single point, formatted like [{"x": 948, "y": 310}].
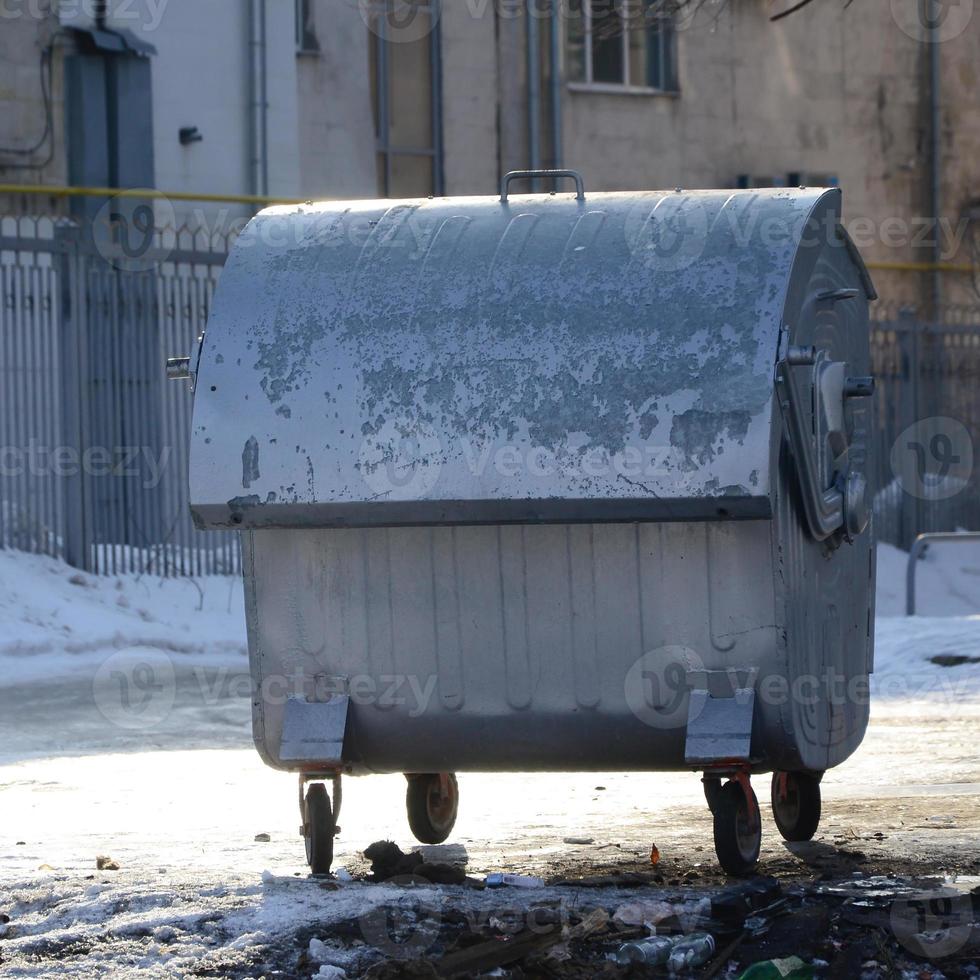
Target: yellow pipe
[
  {"x": 919, "y": 267},
  {"x": 57, "y": 191}
]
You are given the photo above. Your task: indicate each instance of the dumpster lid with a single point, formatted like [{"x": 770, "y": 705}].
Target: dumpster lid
[{"x": 466, "y": 360}]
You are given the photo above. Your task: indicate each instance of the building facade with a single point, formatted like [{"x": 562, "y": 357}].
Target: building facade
[{"x": 403, "y": 98}]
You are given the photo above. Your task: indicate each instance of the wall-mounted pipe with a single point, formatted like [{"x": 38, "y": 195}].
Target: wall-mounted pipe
[
  {"x": 258, "y": 86},
  {"x": 533, "y": 88},
  {"x": 556, "y": 129},
  {"x": 935, "y": 162}
]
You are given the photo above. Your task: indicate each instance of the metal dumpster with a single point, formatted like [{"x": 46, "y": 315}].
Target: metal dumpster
[{"x": 559, "y": 481}]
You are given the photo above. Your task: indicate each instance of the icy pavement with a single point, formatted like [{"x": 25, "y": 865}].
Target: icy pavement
[{"x": 178, "y": 800}]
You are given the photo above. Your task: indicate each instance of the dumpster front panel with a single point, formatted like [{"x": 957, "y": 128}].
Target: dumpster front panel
[{"x": 507, "y": 647}]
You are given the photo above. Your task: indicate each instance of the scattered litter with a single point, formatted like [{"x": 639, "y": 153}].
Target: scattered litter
[
  {"x": 735, "y": 904},
  {"x": 652, "y": 952},
  {"x": 578, "y": 840},
  {"x": 262, "y": 838},
  {"x": 342, "y": 874},
  {"x": 792, "y": 968},
  {"x": 105, "y": 863},
  {"x": 325, "y": 953},
  {"x": 643, "y": 913},
  {"x": 654, "y": 854},
  {"x": 498, "y": 879},
  {"x": 691, "y": 951},
  {"x": 389, "y": 861}
]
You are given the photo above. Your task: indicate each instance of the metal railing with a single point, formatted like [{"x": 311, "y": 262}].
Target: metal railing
[{"x": 93, "y": 458}]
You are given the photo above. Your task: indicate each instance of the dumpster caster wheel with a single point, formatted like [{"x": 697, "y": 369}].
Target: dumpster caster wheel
[
  {"x": 318, "y": 829},
  {"x": 796, "y": 804},
  {"x": 432, "y": 801},
  {"x": 738, "y": 829}
]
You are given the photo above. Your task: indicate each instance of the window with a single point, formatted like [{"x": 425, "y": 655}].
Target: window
[
  {"x": 626, "y": 44},
  {"x": 306, "y": 40}
]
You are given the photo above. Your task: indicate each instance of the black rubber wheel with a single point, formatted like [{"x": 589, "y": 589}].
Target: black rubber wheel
[
  {"x": 431, "y": 817},
  {"x": 712, "y": 787},
  {"x": 319, "y": 829},
  {"x": 736, "y": 845},
  {"x": 797, "y": 814}
]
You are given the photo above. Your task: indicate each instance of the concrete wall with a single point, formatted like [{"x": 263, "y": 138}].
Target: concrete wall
[
  {"x": 23, "y": 37},
  {"x": 831, "y": 90},
  {"x": 336, "y": 134}
]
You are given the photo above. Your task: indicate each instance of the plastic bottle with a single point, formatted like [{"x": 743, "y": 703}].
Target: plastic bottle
[
  {"x": 792, "y": 968},
  {"x": 653, "y": 952},
  {"x": 692, "y": 950}
]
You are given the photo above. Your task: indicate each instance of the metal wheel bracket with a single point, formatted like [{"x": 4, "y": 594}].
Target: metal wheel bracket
[{"x": 336, "y": 798}]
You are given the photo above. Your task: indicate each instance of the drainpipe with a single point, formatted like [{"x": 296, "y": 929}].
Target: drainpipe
[
  {"x": 935, "y": 163},
  {"x": 533, "y": 89},
  {"x": 258, "y": 81},
  {"x": 556, "y": 34}
]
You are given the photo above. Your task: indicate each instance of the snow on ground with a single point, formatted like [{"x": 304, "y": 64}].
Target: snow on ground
[
  {"x": 197, "y": 894},
  {"x": 58, "y": 621}
]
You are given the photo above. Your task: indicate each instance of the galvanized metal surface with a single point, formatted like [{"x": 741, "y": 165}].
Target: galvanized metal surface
[
  {"x": 627, "y": 326},
  {"x": 568, "y": 620}
]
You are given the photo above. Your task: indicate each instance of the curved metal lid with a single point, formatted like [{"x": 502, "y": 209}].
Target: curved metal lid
[{"x": 469, "y": 360}]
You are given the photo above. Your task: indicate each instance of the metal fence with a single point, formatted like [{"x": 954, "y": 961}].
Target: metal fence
[
  {"x": 94, "y": 442},
  {"x": 927, "y": 411}
]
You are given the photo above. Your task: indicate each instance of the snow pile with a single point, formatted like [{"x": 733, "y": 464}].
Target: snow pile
[
  {"x": 947, "y": 580},
  {"x": 58, "y": 621}
]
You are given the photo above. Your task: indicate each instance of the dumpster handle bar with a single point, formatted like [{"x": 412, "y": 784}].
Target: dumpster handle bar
[
  {"x": 917, "y": 546},
  {"x": 534, "y": 174}
]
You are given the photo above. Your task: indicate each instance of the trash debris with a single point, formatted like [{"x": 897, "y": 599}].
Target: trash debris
[
  {"x": 643, "y": 913},
  {"x": 498, "y": 879},
  {"x": 105, "y": 863},
  {"x": 733, "y": 905},
  {"x": 342, "y": 874},
  {"x": 389, "y": 861},
  {"x": 691, "y": 951},
  {"x": 324, "y": 953},
  {"x": 262, "y": 838},
  {"x": 653, "y": 952},
  {"x": 791, "y": 968},
  {"x": 654, "y": 854},
  {"x": 578, "y": 840}
]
